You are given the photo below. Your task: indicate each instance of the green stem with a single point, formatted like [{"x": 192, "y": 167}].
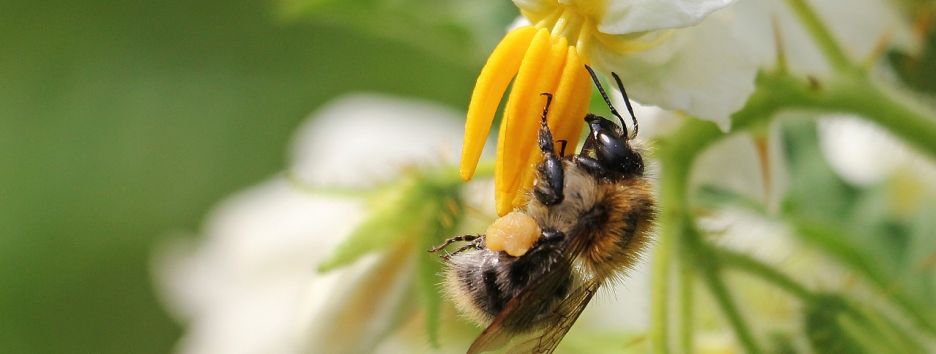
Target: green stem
[
  {"x": 827, "y": 44},
  {"x": 846, "y": 92},
  {"x": 710, "y": 268},
  {"x": 898, "y": 338},
  {"x": 755, "y": 267},
  {"x": 725, "y": 301},
  {"x": 913, "y": 123},
  {"x": 676, "y": 155},
  {"x": 849, "y": 91},
  {"x": 686, "y": 313},
  {"x": 660, "y": 288},
  {"x": 833, "y": 240}
]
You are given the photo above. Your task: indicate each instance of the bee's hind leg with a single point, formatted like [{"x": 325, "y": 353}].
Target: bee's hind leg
[
  {"x": 451, "y": 240},
  {"x": 550, "y": 170}
]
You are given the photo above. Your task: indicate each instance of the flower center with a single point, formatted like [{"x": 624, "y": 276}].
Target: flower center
[
  {"x": 577, "y": 21},
  {"x": 574, "y": 21}
]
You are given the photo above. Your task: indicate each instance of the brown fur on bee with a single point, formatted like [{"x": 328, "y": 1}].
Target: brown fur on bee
[{"x": 613, "y": 220}]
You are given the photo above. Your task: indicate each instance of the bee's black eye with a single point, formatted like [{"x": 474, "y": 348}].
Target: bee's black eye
[{"x": 612, "y": 149}]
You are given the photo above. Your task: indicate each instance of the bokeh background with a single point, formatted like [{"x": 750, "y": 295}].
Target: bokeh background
[
  {"x": 123, "y": 121},
  {"x": 122, "y": 124}
]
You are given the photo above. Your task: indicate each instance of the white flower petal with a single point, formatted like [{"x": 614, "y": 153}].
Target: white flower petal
[
  {"x": 363, "y": 139},
  {"x": 703, "y": 71},
  {"x": 859, "y": 25},
  {"x": 629, "y": 16},
  {"x": 244, "y": 287},
  {"x": 755, "y": 23},
  {"x": 246, "y": 279},
  {"x": 632, "y": 16},
  {"x": 654, "y": 121}
]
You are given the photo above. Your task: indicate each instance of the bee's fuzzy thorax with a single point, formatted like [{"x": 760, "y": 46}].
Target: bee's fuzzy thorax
[{"x": 616, "y": 217}]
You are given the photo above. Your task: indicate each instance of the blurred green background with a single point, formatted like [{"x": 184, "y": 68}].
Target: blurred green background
[{"x": 123, "y": 121}]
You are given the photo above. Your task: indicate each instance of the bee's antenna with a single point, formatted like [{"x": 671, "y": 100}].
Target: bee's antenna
[
  {"x": 626, "y": 102},
  {"x": 605, "y": 96}
]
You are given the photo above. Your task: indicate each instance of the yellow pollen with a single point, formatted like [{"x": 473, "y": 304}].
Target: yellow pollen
[{"x": 514, "y": 233}]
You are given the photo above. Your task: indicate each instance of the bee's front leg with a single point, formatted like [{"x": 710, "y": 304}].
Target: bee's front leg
[
  {"x": 548, "y": 188},
  {"x": 590, "y": 165}
]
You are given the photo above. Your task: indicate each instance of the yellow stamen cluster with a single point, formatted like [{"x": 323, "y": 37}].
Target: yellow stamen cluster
[{"x": 538, "y": 61}]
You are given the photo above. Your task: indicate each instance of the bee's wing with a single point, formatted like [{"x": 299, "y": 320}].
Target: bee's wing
[
  {"x": 521, "y": 309},
  {"x": 562, "y": 320}
]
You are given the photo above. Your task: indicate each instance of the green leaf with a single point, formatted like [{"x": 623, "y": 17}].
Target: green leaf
[
  {"x": 823, "y": 326},
  {"x": 917, "y": 71},
  {"x": 456, "y": 30},
  {"x": 781, "y": 343},
  {"x": 393, "y": 212},
  {"x": 423, "y": 207},
  {"x": 448, "y": 207},
  {"x": 884, "y": 330},
  {"x": 713, "y": 196}
]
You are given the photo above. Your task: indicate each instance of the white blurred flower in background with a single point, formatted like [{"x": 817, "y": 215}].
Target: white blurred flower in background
[{"x": 249, "y": 283}]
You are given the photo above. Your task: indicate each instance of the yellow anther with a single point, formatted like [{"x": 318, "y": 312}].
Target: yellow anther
[
  {"x": 539, "y": 72},
  {"x": 500, "y": 68}
]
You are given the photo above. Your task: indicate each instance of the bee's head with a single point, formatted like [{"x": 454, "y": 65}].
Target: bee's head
[
  {"x": 612, "y": 148},
  {"x": 611, "y": 142}
]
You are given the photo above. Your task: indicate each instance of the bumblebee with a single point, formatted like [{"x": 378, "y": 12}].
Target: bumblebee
[{"x": 588, "y": 220}]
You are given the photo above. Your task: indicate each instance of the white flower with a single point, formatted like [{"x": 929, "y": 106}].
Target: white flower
[
  {"x": 635, "y": 38},
  {"x": 701, "y": 69},
  {"x": 249, "y": 284}
]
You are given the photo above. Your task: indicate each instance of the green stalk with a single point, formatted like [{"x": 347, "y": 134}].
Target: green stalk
[
  {"x": 745, "y": 263},
  {"x": 709, "y": 266},
  {"x": 676, "y": 155},
  {"x": 828, "y": 237},
  {"x": 847, "y": 92},
  {"x": 659, "y": 338},
  {"x": 686, "y": 312},
  {"x": 827, "y": 44},
  {"x": 913, "y": 123},
  {"x": 717, "y": 286}
]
